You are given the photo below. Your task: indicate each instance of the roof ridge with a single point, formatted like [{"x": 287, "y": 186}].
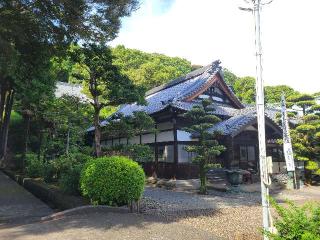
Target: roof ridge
[{"x": 181, "y": 79}]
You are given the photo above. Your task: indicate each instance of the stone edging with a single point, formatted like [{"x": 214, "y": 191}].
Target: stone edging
[
  {"x": 85, "y": 209},
  {"x": 54, "y": 197}
]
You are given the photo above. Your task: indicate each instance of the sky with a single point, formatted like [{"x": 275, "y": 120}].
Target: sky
[{"x": 205, "y": 30}]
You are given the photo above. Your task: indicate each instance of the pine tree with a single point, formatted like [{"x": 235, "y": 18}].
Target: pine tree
[
  {"x": 306, "y": 144},
  {"x": 104, "y": 83},
  {"x": 208, "y": 147}
]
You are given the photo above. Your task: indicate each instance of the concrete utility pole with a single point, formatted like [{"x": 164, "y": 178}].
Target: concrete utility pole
[
  {"x": 261, "y": 116},
  {"x": 261, "y": 119}
]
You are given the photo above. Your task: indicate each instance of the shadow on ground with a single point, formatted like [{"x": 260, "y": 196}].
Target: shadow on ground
[{"x": 103, "y": 224}]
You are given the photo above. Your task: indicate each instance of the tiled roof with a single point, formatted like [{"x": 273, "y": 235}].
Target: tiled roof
[
  {"x": 232, "y": 125},
  {"x": 242, "y": 118},
  {"x": 176, "y": 91}
]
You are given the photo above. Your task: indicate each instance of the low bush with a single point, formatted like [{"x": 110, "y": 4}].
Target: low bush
[
  {"x": 69, "y": 169},
  {"x": 49, "y": 171},
  {"x": 295, "y": 222},
  {"x": 115, "y": 180},
  {"x": 65, "y": 162},
  {"x": 34, "y": 165},
  {"x": 69, "y": 181}
]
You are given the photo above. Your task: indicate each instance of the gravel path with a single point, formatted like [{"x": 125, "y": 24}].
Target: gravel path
[
  {"x": 231, "y": 215},
  {"x": 179, "y": 201}
]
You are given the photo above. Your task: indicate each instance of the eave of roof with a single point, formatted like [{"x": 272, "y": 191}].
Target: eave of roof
[{"x": 244, "y": 118}]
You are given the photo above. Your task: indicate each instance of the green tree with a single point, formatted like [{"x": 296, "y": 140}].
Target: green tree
[
  {"x": 129, "y": 126},
  {"x": 229, "y": 77},
  {"x": 31, "y": 32},
  {"x": 68, "y": 119},
  {"x": 104, "y": 83},
  {"x": 273, "y": 93},
  {"x": 208, "y": 147},
  {"x": 306, "y": 144},
  {"x": 304, "y": 101},
  {"x": 149, "y": 69},
  {"x": 245, "y": 89}
]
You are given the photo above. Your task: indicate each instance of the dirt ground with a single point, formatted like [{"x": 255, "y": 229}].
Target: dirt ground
[
  {"x": 167, "y": 214},
  {"x": 105, "y": 225}
]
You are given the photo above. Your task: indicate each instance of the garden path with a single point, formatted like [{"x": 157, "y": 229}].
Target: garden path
[{"x": 17, "y": 204}]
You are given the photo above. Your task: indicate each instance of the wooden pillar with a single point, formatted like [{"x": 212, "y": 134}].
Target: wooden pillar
[
  {"x": 175, "y": 147},
  {"x": 232, "y": 149},
  {"x": 156, "y": 152}
]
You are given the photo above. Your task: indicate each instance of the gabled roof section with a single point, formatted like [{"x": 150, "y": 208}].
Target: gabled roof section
[
  {"x": 181, "y": 79},
  {"x": 205, "y": 77},
  {"x": 241, "y": 120}
]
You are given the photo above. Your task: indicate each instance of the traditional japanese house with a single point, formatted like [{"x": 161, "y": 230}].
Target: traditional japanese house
[{"x": 167, "y": 103}]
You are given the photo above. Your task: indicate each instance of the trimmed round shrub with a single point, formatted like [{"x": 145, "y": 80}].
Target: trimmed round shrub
[{"x": 113, "y": 181}]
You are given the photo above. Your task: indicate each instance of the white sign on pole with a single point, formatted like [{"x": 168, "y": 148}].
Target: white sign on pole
[{"x": 287, "y": 146}]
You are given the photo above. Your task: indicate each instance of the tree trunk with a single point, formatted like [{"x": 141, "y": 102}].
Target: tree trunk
[
  {"x": 5, "y": 123},
  {"x": 97, "y": 133},
  {"x": 26, "y": 137},
  {"x": 68, "y": 141},
  {"x": 40, "y": 143},
  {"x": 203, "y": 178}
]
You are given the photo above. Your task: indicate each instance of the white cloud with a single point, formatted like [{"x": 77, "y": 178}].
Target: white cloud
[{"x": 204, "y": 30}]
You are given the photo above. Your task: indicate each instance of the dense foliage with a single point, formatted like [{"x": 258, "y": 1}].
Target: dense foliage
[
  {"x": 296, "y": 222},
  {"x": 208, "y": 147},
  {"x": 244, "y": 88},
  {"x": 31, "y": 32},
  {"x": 112, "y": 181},
  {"x": 149, "y": 69},
  {"x": 64, "y": 170},
  {"x": 306, "y": 144}
]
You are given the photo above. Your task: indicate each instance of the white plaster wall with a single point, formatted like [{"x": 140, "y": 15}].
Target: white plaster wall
[
  {"x": 123, "y": 141},
  {"x": 134, "y": 140},
  {"x": 183, "y": 155},
  {"x": 166, "y": 136},
  {"x": 148, "y": 138},
  {"x": 103, "y": 143},
  {"x": 184, "y": 136},
  {"x": 109, "y": 143},
  {"x": 164, "y": 126}
]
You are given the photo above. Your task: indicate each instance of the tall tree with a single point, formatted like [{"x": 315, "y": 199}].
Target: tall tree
[
  {"x": 273, "y": 93},
  {"x": 229, "y": 77},
  {"x": 32, "y": 31},
  {"x": 208, "y": 148},
  {"x": 104, "y": 83},
  {"x": 245, "y": 89},
  {"x": 149, "y": 69}
]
